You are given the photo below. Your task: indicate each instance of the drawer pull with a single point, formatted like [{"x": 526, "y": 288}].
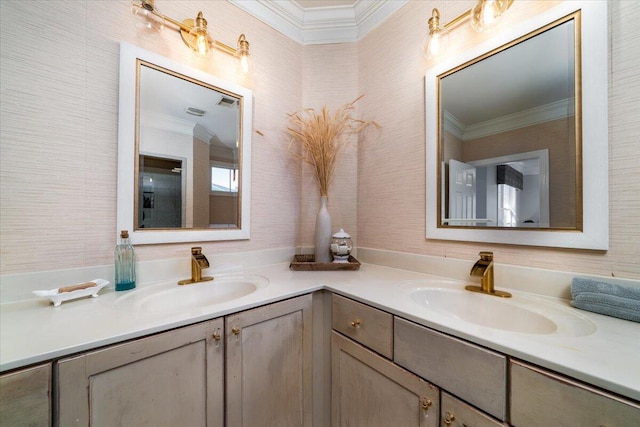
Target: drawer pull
[
  {"x": 216, "y": 337},
  {"x": 426, "y": 404},
  {"x": 448, "y": 418},
  {"x": 356, "y": 323}
]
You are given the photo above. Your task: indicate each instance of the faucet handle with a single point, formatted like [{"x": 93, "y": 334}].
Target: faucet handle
[{"x": 486, "y": 255}]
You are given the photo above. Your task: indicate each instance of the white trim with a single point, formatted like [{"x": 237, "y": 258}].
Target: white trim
[
  {"x": 533, "y": 116},
  {"x": 322, "y": 25},
  {"x": 126, "y": 152},
  {"x": 544, "y": 113},
  {"x": 595, "y": 136},
  {"x": 454, "y": 126}
]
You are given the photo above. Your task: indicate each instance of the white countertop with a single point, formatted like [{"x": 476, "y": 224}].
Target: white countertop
[{"x": 34, "y": 331}]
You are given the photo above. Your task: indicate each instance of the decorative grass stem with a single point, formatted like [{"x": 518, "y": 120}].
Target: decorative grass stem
[{"x": 322, "y": 135}]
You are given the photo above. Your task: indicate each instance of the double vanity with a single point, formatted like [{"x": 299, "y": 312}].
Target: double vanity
[{"x": 270, "y": 346}]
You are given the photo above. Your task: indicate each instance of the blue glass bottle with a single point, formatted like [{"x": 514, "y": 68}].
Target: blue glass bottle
[{"x": 125, "y": 264}]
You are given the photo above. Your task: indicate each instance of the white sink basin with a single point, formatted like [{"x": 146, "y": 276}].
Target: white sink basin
[
  {"x": 518, "y": 314},
  {"x": 171, "y": 297}
]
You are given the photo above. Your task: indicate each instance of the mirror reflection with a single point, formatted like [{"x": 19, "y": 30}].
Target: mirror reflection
[
  {"x": 508, "y": 144},
  {"x": 188, "y": 153}
]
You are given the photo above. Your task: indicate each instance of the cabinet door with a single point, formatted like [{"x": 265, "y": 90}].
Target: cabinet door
[
  {"x": 269, "y": 365},
  {"x": 541, "y": 398},
  {"x": 25, "y": 397},
  {"x": 369, "y": 390},
  {"x": 170, "y": 379},
  {"x": 456, "y": 413}
]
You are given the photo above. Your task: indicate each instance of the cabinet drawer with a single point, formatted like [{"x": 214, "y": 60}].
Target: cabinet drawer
[
  {"x": 367, "y": 325},
  {"x": 542, "y": 398},
  {"x": 473, "y": 373},
  {"x": 456, "y": 413}
]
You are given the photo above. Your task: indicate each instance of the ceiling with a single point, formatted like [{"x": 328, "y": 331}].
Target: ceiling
[{"x": 321, "y": 21}]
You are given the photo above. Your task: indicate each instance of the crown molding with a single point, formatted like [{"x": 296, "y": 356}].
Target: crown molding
[
  {"x": 321, "y": 25},
  {"x": 544, "y": 113},
  {"x": 453, "y": 125}
]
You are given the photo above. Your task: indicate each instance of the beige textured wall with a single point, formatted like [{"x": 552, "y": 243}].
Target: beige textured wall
[
  {"x": 330, "y": 78},
  {"x": 391, "y": 199},
  {"x": 59, "y": 134},
  {"x": 59, "y": 116}
]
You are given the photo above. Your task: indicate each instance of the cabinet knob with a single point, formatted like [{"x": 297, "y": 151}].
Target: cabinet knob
[
  {"x": 426, "y": 404},
  {"x": 356, "y": 323},
  {"x": 235, "y": 330},
  {"x": 448, "y": 418},
  {"x": 216, "y": 337}
]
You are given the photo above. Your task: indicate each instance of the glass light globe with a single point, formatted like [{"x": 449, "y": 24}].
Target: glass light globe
[
  {"x": 436, "y": 43},
  {"x": 200, "y": 40},
  {"x": 147, "y": 16},
  {"x": 487, "y": 13}
]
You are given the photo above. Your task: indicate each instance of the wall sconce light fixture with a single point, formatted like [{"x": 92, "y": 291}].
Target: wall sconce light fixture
[
  {"x": 194, "y": 32},
  {"x": 484, "y": 15},
  {"x": 437, "y": 38}
]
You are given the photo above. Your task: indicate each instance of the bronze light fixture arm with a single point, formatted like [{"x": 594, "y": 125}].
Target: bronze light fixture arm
[
  {"x": 465, "y": 15},
  {"x": 185, "y": 26}
]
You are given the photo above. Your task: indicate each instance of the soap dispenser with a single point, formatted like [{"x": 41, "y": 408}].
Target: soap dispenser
[{"x": 125, "y": 263}]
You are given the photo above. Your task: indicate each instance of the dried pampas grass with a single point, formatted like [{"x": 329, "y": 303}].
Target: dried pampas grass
[{"x": 322, "y": 136}]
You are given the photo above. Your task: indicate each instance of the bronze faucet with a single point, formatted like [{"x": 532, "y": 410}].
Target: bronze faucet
[
  {"x": 484, "y": 268},
  {"x": 198, "y": 262}
]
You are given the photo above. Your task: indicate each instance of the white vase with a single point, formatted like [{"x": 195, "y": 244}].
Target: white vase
[{"x": 323, "y": 233}]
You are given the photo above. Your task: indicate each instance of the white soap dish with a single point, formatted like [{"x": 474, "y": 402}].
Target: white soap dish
[{"x": 66, "y": 293}]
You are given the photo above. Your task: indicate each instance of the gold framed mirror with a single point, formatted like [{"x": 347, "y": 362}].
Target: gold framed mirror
[
  {"x": 511, "y": 153},
  {"x": 184, "y": 152}
]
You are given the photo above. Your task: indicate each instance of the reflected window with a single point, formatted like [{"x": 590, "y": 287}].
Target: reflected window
[
  {"x": 507, "y": 206},
  {"x": 224, "y": 178}
]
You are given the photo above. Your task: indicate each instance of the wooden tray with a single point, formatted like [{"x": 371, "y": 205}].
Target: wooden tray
[{"x": 306, "y": 263}]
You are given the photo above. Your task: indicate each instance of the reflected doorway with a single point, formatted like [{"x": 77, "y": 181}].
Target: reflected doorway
[{"x": 160, "y": 195}]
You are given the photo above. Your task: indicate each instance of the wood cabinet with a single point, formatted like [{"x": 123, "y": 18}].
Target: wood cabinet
[
  {"x": 25, "y": 397},
  {"x": 366, "y": 325},
  {"x": 542, "y": 398},
  {"x": 456, "y": 413},
  {"x": 170, "y": 379},
  {"x": 369, "y": 390},
  {"x": 178, "y": 377},
  {"x": 269, "y": 365},
  {"x": 259, "y": 368},
  {"x": 473, "y": 373}
]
